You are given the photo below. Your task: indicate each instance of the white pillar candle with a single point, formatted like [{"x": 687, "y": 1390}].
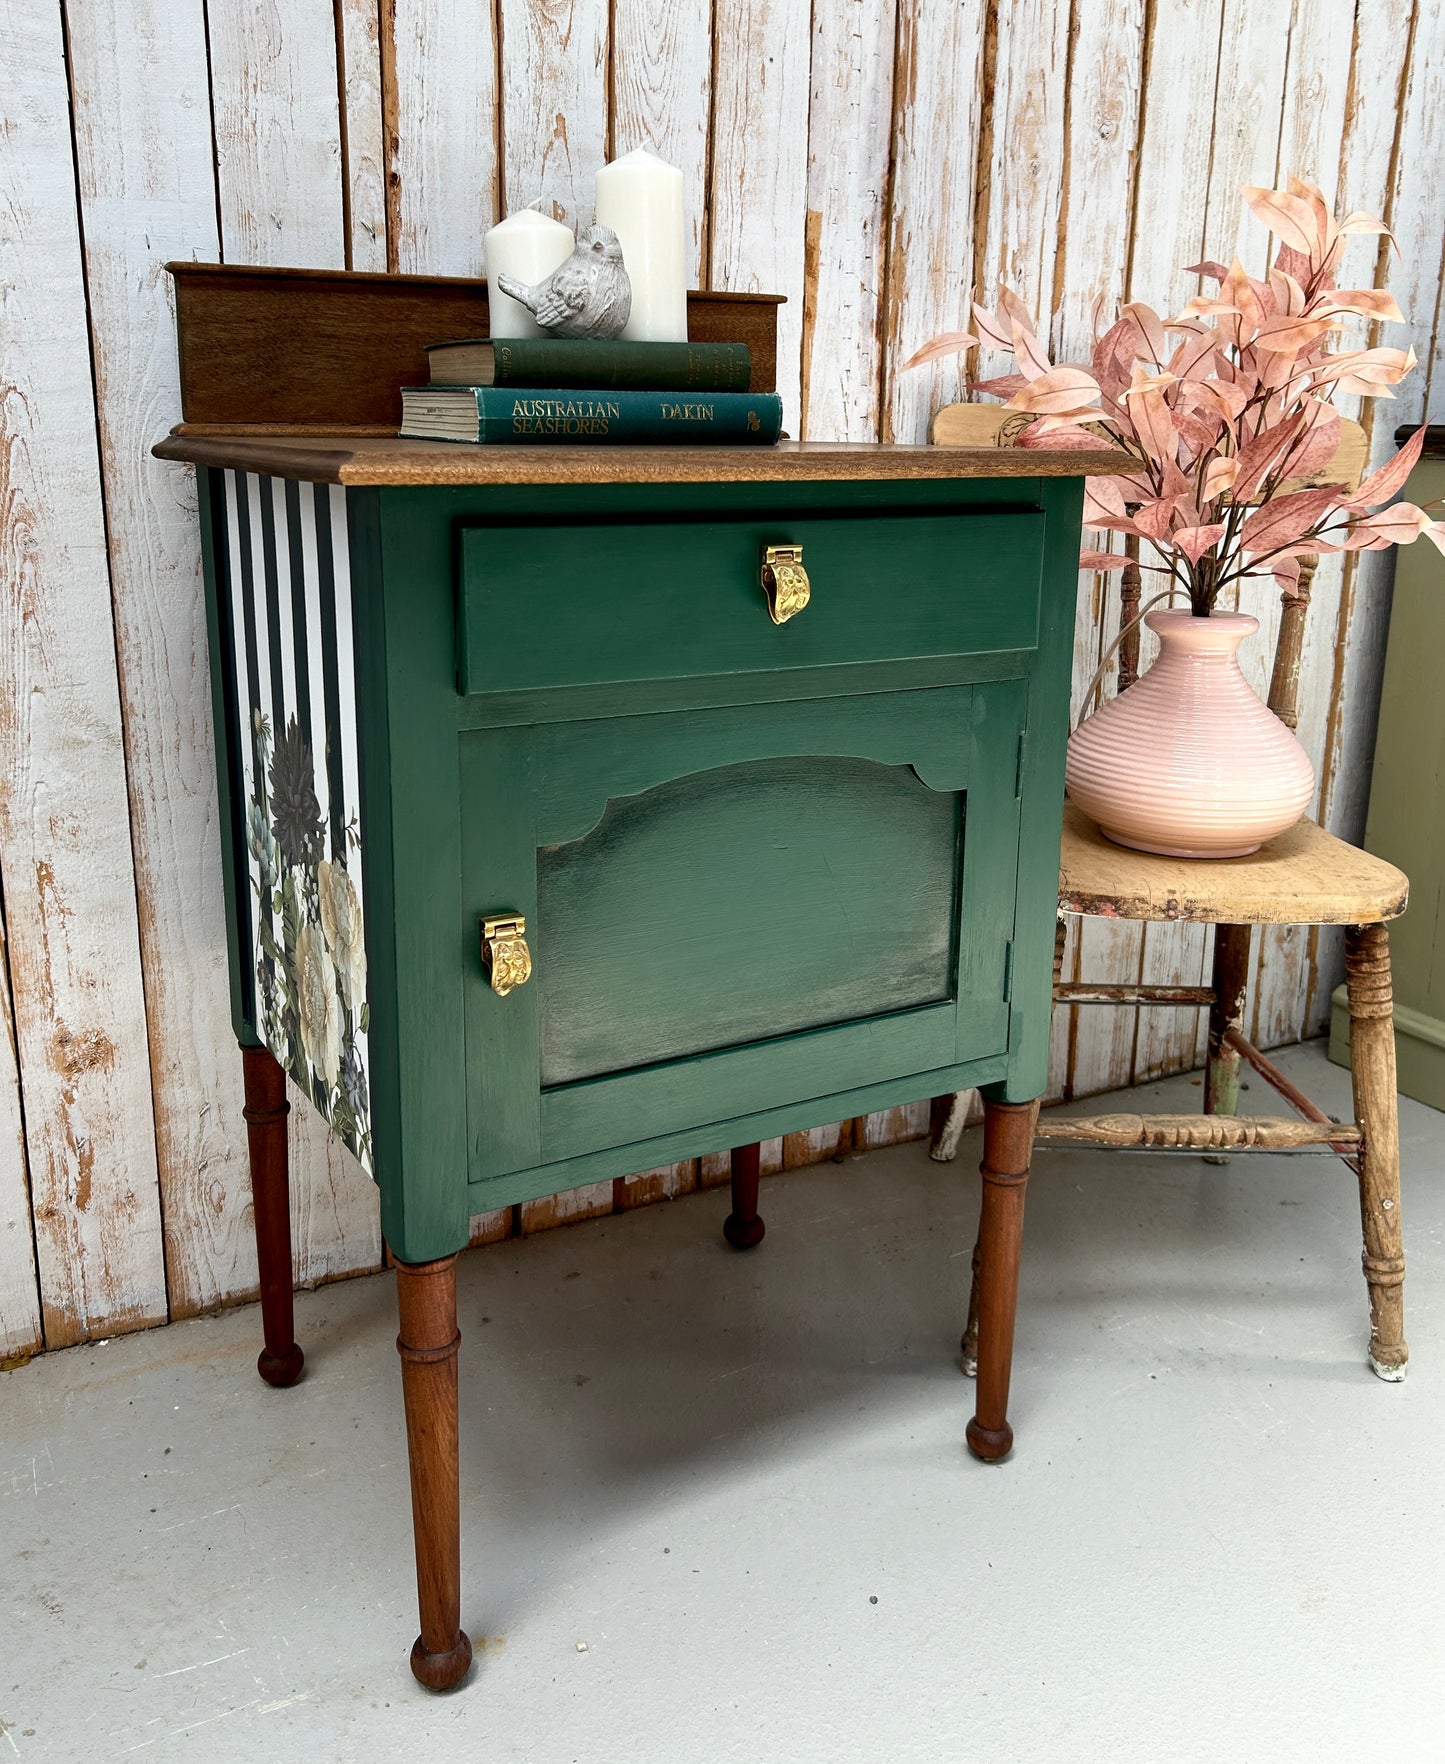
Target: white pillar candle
[
  {"x": 640, "y": 197},
  {"x": 529, "y": 246}
]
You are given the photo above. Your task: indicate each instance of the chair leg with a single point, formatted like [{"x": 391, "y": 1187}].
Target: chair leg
[
  {"x": 1230, "y": 982},
  {"x": 1372, "y": 1073},
  {"x": 265, "y": 1112},
  {"x": 426, "y": 1294},
  {"x": 743, "y": 1228},
  {"x": 1008, "y": 1135},
  {"x": 968, "y": 1347},
  {"x": 947, "y": 1119}
]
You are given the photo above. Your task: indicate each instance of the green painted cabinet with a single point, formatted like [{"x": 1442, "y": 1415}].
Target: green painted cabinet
[
  {"x": 771, "y": 875},
  {"x": 550, "y": 855}
]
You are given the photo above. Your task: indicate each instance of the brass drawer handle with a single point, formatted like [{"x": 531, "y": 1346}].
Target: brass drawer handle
[
  {"x": 785, "y": 582},
  {"x": 505, "y": 955}
]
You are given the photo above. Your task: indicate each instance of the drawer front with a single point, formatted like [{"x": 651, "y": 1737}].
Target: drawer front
[
  {"x": 595, "y": 604},
  {"x": 708, "y": 936}
]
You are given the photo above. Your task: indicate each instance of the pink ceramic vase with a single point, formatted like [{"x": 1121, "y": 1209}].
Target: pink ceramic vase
[{"x": 1188, "y": 761}]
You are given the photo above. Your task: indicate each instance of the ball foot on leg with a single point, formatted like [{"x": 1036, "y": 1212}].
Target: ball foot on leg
[
  {"x": 743, "y": 1233},
  {"x": 990, "y": 1445},
  {"x": 743, "y": 1228},
  {"x": 440, "y": 1672},
  {"x": 279, "y": 1370}
]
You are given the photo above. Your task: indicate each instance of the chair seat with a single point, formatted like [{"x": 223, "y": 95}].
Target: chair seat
[{"x": 1304, "y": 877}]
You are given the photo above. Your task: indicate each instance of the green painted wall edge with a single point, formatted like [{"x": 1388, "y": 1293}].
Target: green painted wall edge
[{"x": 1419, "y": 1049}]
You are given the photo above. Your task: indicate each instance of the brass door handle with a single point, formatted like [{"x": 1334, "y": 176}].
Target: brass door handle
[
  {"x": 785, "y": 582},
  {"x": 505, "y": 956}
]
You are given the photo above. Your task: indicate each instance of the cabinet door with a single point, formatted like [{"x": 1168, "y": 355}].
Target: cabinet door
[{"x": 734, "y": 910}]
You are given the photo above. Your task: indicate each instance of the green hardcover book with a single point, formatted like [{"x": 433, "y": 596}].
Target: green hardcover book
[
  {"x": 526, "y": 417},
  {"x": 563, "y": 361}
]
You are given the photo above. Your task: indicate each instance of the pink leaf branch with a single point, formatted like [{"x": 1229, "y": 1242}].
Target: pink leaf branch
[
  {"x": 1389, "y": 481},
  {"x": 1286, "y": 519},
  {"x": 1225, "y": 408},
  {"x": 1195, "y": 541},
  {"x": 947, "y": 343},
  {"x": 1063, "y": 391},
  {"x": 1049, "y": 432}
]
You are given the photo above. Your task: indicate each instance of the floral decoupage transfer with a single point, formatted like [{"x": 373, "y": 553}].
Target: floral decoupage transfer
[
  {"x": 291, "y": 631},
  {"x": 311, "y": 954}
]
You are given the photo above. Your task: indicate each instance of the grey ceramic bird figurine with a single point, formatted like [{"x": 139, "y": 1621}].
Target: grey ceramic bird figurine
[{"x": 588, "y": 296}]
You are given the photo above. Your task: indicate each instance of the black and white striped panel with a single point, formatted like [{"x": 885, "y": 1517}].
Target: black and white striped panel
[{"x": 287, "y": 604}]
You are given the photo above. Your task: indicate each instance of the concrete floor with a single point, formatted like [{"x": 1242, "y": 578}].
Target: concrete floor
[{"x": 741, "y": 1483}]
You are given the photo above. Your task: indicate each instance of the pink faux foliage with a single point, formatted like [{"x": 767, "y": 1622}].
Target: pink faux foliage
[
  {"x": 1064, "y": 435},
  {"x": 1286, "y": 520},
  {"x": 1399, "y": 524},
  {"x": 946, "y": 343},
  {"x": 1226, "y": 410},
  {"x": 1003, "y": 387},
  {"x": 1195, "y": 541},
  {"x": 1390, "y": 479}
]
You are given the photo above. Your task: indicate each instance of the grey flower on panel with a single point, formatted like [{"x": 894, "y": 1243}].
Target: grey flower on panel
[
  {"x": 317, "y": 1003},
  {"x": 262, "y": 843},
  {"x": 353, "y": 1080},
  {"x": 341, "y": 923},
  {"x": 271, "y": 1009},
  {"x": 295, "y": 812}
]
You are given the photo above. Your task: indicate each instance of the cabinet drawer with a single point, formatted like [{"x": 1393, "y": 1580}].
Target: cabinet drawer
[{"x": 596, "y": 603}]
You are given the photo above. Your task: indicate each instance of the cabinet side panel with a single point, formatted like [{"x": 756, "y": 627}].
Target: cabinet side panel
[
  {"x": 373, "y": 764},
  {"x": 1041, "y": 786},
  {"x": 216, "y": 491},
  {"x": 297, "y": 892}
]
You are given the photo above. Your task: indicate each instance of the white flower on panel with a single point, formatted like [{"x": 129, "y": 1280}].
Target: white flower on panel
[
  {"x": 318, "y": 1006},
  {"x": 341, "y": 923}
]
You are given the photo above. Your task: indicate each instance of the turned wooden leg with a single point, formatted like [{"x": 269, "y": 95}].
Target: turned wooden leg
[
  {"x": 1230, "y": 982},
  {"x": 742, "y": 1227},
  {"x": 1372, "y": 1072},
  {"x": 265, "y": 1113},
  {"x": 426, "y": 1294},
  {"x": 1008, "y": 1136}
]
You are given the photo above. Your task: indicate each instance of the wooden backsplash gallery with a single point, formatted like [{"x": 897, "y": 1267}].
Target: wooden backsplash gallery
[{"x": 867, "y": 158}]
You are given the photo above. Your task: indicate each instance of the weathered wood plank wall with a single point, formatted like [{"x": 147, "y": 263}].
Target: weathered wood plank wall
[{"x": 867, "y": 158}]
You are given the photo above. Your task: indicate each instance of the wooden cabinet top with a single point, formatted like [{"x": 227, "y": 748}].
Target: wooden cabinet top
[
  {"x": 295, "y": 374},
  {"x": 378, "y": 460}
]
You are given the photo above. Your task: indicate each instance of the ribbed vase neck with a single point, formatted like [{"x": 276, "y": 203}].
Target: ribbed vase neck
[{"x": 1181, "y": 633}]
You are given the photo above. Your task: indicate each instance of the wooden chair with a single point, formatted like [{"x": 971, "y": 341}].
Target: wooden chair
[{"x": 1304, "y": 877}]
